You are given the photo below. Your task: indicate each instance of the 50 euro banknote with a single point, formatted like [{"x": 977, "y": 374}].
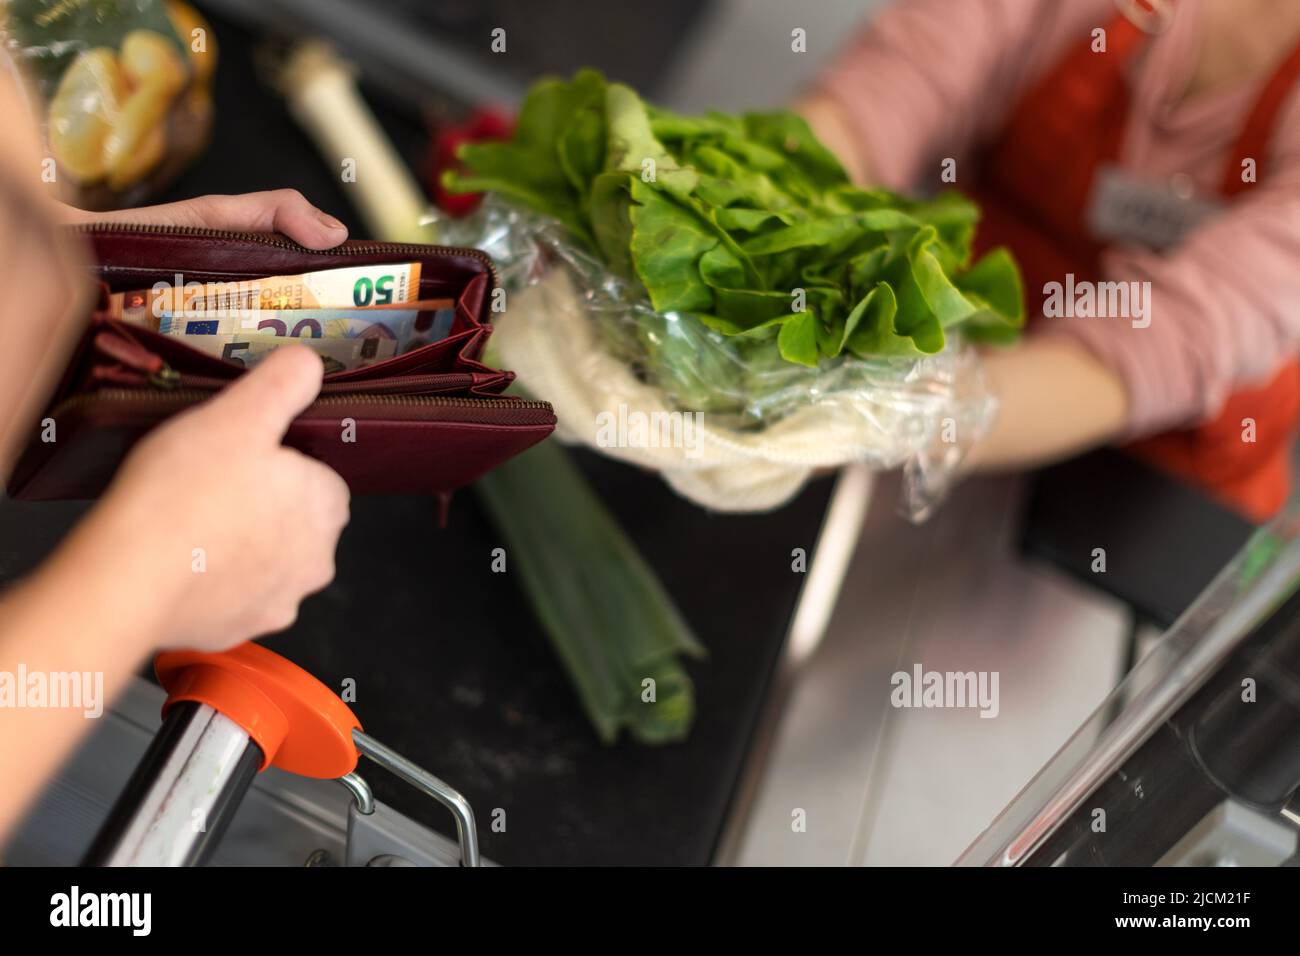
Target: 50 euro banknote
[{"x": 350, "y": 287}]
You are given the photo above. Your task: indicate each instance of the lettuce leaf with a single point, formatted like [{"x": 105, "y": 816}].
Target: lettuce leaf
[{"x": 749, "y": 225}]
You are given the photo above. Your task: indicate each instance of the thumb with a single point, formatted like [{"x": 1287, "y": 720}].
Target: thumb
[
  {"x": 270, "y": 396},
  {"x": 277, "y": 210}
]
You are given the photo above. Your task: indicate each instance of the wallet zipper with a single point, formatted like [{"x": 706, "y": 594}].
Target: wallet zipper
[
  {"x": 353, "y": 247},
  {"x": 482, "y": 411}
]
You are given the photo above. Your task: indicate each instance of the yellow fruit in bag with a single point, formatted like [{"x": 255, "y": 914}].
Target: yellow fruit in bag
[
  {"x": 132, "y": 166},
  {"x": 140, "y": 117},
  {"x": 83, "y": 112},
  {"x": 149, "y": 58},
  {"x": 126, "y": 87}
]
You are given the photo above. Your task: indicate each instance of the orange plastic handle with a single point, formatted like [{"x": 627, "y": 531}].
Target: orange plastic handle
[{"x": 300, "y": 724}]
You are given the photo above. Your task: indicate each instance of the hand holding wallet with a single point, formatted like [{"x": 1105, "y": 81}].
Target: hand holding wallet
[{"x": 429, "y": 420}]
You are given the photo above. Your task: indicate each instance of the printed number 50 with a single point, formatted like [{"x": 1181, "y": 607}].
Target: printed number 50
[{"x": 379, "y": 292}]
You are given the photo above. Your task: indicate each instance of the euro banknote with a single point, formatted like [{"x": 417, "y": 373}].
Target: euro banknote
[
  {"x": 338, "y": 354},
  {"x": 348, "y": 287}
]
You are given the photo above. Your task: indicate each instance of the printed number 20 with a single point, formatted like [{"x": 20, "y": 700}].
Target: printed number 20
[{"x": 379, "y": 292}]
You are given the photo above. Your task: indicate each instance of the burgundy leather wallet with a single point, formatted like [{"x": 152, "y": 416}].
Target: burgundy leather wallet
[{"x": 428, "y": 421}]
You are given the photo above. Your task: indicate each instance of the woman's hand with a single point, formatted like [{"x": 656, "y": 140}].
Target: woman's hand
[
  {"x": 234, "y": 529},
  {"x": 277, "y": 210},
  {"x": 211, "y": 533}
]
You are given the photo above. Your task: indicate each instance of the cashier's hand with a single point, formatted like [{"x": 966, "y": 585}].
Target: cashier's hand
[
  {"x": 241, "y": 528},
  {"x": 279, "y": 210}
]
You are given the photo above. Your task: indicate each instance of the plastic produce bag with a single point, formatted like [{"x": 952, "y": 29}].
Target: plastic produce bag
[
  {"x": 727, "y": 423},
  {"x": 124, "y": 87}
]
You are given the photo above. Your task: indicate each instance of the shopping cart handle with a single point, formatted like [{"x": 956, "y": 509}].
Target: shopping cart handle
[
  {"x": 253, "y": 703},
  {"x": 301, "y": 725}
]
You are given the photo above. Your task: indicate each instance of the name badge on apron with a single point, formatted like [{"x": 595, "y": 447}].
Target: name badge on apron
[{"x": 1155, "y": 214}]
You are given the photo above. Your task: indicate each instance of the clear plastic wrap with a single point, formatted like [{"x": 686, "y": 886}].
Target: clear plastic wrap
[
  {"x": 124, "y": 88},
  {"x": 588, "y": 341}
]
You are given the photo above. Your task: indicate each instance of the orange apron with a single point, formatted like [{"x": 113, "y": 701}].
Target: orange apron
[{"x": 1036, "y": 185}]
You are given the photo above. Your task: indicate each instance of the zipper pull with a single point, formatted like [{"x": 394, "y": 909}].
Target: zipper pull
[
  {"x": 133, "y": 355},
  {"x": 166, "y": 377},
  {"x": 490, "y": 384}
]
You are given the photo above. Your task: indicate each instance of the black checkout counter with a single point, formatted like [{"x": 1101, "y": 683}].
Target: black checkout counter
[{"x": 450, "y": 668}]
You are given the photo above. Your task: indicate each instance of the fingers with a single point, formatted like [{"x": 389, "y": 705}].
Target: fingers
[
  {"x": 323, "y": 513},
  {"x": 277, "y": 210},
  {"x": 302, "y": 222},
  {"x": 329, "y": 494},
  {"x": 267, "y": 398}
]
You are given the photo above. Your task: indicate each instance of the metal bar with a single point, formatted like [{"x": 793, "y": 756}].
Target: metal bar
[
  {"x": 183, "y": 793},
  {"x": 427, "y": 783},
  {"x": 1221, "y": 619},
  {"x": 365, "y": 797}
]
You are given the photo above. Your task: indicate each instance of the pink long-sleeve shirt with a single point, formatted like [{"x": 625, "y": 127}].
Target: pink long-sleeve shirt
[{"x": 931, "y": 79}]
